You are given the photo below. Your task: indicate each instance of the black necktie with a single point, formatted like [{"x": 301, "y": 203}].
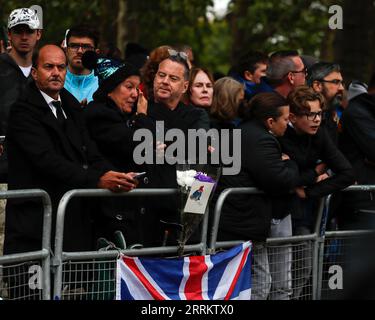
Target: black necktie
[{"x": 59, "y": 113}]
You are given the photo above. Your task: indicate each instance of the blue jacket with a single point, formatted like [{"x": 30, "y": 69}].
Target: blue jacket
[
  {"x": 81, "y": 86},
  {"x": 252, "y": 88}
]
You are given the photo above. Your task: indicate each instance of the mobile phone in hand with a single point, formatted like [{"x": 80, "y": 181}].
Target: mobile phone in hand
[{"x": 139, "y": 175}]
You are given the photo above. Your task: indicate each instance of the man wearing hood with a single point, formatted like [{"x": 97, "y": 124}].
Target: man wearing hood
[{"x": 358, "y": 145}]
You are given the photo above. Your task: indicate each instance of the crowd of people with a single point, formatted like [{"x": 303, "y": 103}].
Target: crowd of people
[{"x": 69, "y": 112}]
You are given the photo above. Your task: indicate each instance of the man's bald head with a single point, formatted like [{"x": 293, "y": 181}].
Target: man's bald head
[
  {"x": 47, "y": 48},
  {"x": 49, "y": 70}
]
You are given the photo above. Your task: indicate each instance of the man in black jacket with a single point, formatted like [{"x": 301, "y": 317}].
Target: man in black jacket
[
  {"x": 171, "y": 82},
  {"x": 24, "y": 33},
  {"x": 49, "y": 148}
]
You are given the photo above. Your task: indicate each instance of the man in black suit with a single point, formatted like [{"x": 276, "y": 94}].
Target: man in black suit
[{"x": 50, "y": 149}]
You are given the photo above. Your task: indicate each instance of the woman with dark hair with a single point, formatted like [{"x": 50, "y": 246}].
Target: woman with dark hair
[
  {"x": 263, "y": 166},
  {"x": 201, "y": 88}
]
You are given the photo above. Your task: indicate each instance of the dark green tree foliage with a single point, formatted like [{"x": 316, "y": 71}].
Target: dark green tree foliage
[
  {"x": 57, "y": 15},
  {"x": 278, "y": 24},
  {"x": 265, "y": 25},
  {"x": 151, "y": 23},
  {"x": 169, "y": 22},
  {"x": 354, "y": 46}
]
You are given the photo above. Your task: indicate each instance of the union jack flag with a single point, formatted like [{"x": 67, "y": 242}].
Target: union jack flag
[{"x": 223, "y": 276}]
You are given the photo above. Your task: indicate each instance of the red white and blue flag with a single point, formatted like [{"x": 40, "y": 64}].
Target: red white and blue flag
[{"x": 223, "y": 276}]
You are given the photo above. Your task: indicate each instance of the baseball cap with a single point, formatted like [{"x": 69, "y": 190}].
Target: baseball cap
[{"x": 23, "y": 16}]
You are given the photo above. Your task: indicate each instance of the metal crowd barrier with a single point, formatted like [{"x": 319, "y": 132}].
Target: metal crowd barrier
[
  {"x": 336, "y": 250},
  {"x": 283, "y": 268},
  {"x": 29, "y": 272},
  {"x": 91, "y": 275}
]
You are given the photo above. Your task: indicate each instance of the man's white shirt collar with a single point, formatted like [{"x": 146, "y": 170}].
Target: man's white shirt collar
[{"x": 49, "y": 101}]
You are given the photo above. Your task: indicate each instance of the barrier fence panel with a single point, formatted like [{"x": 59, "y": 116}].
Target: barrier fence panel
[
  {"x": 26, "y": 276},
  {"x": 283, "y": 268},
  {"x": 340, "y": 260},
  {"x": 337, "y": 252},
  {"x": 91, "y": 275}
]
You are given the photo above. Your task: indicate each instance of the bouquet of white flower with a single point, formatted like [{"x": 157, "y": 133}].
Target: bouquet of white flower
[{"x": 197, "y": 184}]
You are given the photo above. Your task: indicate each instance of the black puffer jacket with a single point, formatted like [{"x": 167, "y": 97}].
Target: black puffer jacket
[
  {"x": 248, "y": 216},
  {"x": 306, "y": 150},
  {"x": 12, "y": 82},
  {"x": 357, "y": 142}
]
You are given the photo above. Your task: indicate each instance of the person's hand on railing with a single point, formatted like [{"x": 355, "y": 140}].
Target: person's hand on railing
[
  {"x": 117, "y": 181},
  {"x": 322, "y": 177},
  {"x": 300, "y": 191},
  {"x": 284, "y": 157},
  {"x": 320, "y": 169}
]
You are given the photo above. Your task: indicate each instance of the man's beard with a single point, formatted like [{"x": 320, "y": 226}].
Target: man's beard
[
  {"x": 78, "y": 67},
  {"x": 336, "y": 102}
]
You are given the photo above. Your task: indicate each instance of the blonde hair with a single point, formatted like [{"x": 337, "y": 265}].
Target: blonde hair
[{"x": 226, "y": 98}]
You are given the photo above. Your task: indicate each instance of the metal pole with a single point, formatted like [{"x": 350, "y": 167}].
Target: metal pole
[
  {"x": 204, "y": 231},
  {"x": 46, "y": 245},
  {"x": 217, "y": 212}
]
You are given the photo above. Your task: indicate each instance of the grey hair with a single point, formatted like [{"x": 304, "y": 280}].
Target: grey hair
[
  {"x": 279, "y": 68},
  {"x": 320, "y": 70},
  {"x": 182, "y": 62}
]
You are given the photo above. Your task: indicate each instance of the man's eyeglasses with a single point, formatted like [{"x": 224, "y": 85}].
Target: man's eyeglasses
[
  {"x": 76, "y": 46},
  {"x": 312, "y": 115},
  {"x": 181, "y": 54},
  {"x": 334, "y": 81},
  {"x": 304, "y": 71}
]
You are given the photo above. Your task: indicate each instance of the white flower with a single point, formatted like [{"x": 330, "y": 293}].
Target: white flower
[{"x": 185, "y": 179}]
